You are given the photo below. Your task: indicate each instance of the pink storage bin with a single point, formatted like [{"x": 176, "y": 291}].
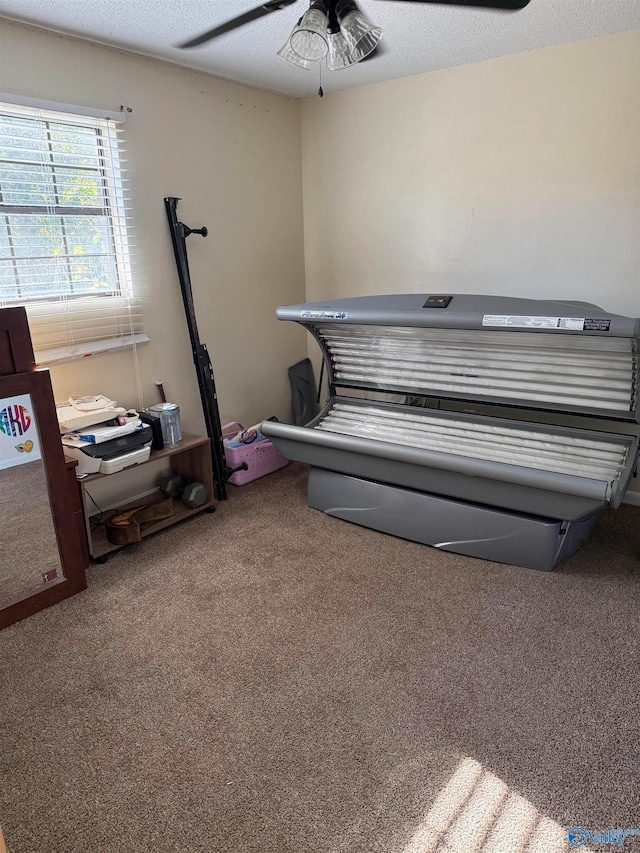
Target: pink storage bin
[{"x": 261, "y": 457}]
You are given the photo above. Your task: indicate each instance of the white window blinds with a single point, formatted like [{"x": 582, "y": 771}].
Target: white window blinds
[{"x": 65, "y": 250}]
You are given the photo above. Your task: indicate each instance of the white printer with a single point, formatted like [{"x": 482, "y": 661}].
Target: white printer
[{"x": 103, "y": 437}]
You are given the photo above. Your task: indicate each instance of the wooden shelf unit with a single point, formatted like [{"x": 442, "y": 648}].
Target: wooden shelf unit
[{"x": 191, "y": 460}]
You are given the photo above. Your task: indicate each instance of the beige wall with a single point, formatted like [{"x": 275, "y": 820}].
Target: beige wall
[
  {"x": 233, "y": 155},
  {"x": 514, "y": 176},
  {"x": 517, "y": 176}
]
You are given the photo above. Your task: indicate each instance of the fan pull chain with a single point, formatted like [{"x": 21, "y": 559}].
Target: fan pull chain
[{"x": 320, "y": 92}]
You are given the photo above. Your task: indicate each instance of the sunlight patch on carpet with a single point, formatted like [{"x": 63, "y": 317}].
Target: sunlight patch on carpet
[{"x": 476, "y": 812}]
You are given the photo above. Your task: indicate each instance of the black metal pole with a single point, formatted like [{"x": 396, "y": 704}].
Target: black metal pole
[{"x": 204, "y": 370}]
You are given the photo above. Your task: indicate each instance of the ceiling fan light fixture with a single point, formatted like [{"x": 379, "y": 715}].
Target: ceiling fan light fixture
[
  {"x": 339, "y": 55},
  {"x": 288, "y": 53},
  {"x": 309, "y": 37},
  {"x": 359, "y": 33}
]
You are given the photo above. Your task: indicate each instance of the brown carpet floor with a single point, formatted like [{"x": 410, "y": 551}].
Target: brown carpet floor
[{"x": 269, "y": 679}]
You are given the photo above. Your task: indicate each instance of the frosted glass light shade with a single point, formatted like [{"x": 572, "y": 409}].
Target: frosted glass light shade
[
  {"x": 339, "y": 55},
  {"x": 287, "y": 52},
  {"x": 309, "y": 37},
  {"x": 360, "y": 35}
]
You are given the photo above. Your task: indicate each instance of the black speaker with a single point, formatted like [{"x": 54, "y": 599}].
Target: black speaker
[{"x": 156, "y": 429}]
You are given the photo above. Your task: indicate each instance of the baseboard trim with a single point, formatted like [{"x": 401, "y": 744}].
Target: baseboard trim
[{"x": 632, "y": 498}]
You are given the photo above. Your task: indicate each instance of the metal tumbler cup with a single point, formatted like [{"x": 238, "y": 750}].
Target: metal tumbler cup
[{"x": 169, "y": 416}]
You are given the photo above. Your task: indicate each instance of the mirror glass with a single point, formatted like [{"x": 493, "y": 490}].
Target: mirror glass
[{"x": 29, "y": 557}]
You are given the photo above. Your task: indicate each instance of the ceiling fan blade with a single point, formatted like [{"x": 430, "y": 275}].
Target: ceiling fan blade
[
  {"x": 238, "y": 21},
  {"x": 506, "y": 5}
]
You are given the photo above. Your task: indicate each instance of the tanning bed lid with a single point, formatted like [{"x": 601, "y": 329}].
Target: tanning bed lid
[
  {"x": 465, "y": 311},
  {"x": 553, "y": 355}
]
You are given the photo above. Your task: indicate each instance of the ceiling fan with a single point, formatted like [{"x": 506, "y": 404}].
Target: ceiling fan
[{"x": 331, "y": 30}]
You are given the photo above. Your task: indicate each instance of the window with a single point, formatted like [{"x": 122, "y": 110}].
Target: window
[{"x": 64, "y": 244}]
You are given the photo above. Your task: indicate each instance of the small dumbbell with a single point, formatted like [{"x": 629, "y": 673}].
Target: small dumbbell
[
  {"x": 194, "y": 495},
  {"x": 172, "y": 485}
]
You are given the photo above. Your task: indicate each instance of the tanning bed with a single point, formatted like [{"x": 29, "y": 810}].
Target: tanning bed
[{"x": 401, "y": 445}]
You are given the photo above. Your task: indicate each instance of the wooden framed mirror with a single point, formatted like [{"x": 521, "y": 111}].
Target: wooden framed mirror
[{"x": 43, "y": 555}]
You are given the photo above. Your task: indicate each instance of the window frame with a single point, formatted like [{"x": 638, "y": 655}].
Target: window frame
[{"x": 115, "y": 313}]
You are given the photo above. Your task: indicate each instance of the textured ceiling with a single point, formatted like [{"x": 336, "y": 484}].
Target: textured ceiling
[{"x": 417, "y": 37}]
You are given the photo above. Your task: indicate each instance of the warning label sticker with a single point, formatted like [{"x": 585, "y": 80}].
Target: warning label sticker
[
  {"x": 597, "y": 325},
  {"x": 576, "y": 324},
  {"x": 522, "y": 322}
]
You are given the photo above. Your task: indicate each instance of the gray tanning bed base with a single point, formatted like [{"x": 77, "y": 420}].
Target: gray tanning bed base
[{"x": 474, "y": 530}]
